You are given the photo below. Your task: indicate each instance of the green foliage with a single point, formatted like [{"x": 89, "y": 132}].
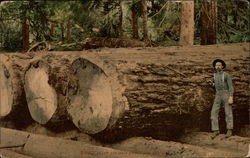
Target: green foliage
[
  {"x": 166, "y": 19},
  {"x": 12, "y": 40},
  {"x": 10, "y": 36},
  {"x": 233, "y": 21},
  {"x": 101, "y": 18}
]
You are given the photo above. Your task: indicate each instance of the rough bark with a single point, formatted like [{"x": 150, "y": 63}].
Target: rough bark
[
  {"x": 154, "y": 91},
  {"x": 208, "y": 22},
  {"x": 187, "y": 23},
  {"x": 135, "y": 26}
]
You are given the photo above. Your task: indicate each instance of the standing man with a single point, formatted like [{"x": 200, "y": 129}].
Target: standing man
[{"x": 223, "y": 97}]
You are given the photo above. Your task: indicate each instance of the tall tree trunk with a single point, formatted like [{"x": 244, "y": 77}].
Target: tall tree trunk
[
  {"x": 187, "y": 23},
  {"x": 208, "y": 22},
  {"x": 145, "y": 20},
  {"x": 135, "y": 24},
  {"x": 120, "y": 27},
  {"x": 25, "y": 31},
  {"x": 69, "y": 26}
]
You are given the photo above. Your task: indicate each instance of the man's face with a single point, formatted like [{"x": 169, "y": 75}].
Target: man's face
[{"x": 218, "y": 66}]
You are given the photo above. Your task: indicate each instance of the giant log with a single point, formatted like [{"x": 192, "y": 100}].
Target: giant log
[{"x": 158, "y": 92}]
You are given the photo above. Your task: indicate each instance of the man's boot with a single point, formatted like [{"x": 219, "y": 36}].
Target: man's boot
[
  {"x": 229, "y": 133},
  {"x": 215, "y": 134}
]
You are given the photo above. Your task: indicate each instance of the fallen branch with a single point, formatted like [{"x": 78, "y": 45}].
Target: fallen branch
[
  {"x": 40, "y": 46},
  {"x": 176, "y": 71}
]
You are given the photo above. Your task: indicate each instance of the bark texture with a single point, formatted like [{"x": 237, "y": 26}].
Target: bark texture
[
  {"x": 135, "y": 26},
  {"x": 187, "y": 23},
  {"x": 208, "y": 22}
]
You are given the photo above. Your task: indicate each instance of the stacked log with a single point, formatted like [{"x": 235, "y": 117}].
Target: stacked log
[
  {"x": 12, "y": 154},
  {"x": 151, "y": 91},
  {"x": 47, "y": 83},
  {"x": 13, "y": 104},
  {"x": 67, "y": 89},
  {"x": 91, "y": 107},
  {"x": 49, "y": 147},
  {"x": 21, "y": 144},
  {"x": 201, "y": 147},
  {"x": 41, "y": 97},
  {"x": 6, "y": 91}
]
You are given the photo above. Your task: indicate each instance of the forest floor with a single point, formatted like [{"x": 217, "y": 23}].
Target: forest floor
[{"x": 192, "y": 144}]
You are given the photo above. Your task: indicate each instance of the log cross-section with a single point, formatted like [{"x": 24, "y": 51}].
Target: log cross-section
[
  {"x": 41, "y": 97},
  {"x": 91, "y": 107},
  {"x": 6, "y": 94}
]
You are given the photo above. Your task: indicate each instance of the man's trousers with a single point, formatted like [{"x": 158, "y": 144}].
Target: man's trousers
[{"x": 221, "y": 99}]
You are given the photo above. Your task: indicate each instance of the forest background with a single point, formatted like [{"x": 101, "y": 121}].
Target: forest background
[{"x": 24, "y": 23}]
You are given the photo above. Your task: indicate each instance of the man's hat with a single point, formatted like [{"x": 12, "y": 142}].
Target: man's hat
[{"x": 221, "y": 61}]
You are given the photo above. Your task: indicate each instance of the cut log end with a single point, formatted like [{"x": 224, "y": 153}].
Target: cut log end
[
  {"x": 6, "y": 95},
  {"x": 41, "y": 97},
  {"x": 91, "y": 107}
]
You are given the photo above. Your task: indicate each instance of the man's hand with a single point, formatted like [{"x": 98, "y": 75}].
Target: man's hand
[
  {"x": 230, "y": 100},
  {"x": 210, "y": 82}
]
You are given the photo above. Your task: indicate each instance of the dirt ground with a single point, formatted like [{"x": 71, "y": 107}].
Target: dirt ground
[{"x": 192, "y": 143}]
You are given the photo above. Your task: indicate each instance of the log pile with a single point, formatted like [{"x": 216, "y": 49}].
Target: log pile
[
  {"x": 19, "y": 144},
  {"x": 121, "y": 92},
  {"x": 25, "y": 144},
  {"x": 201, "y": 147}
]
